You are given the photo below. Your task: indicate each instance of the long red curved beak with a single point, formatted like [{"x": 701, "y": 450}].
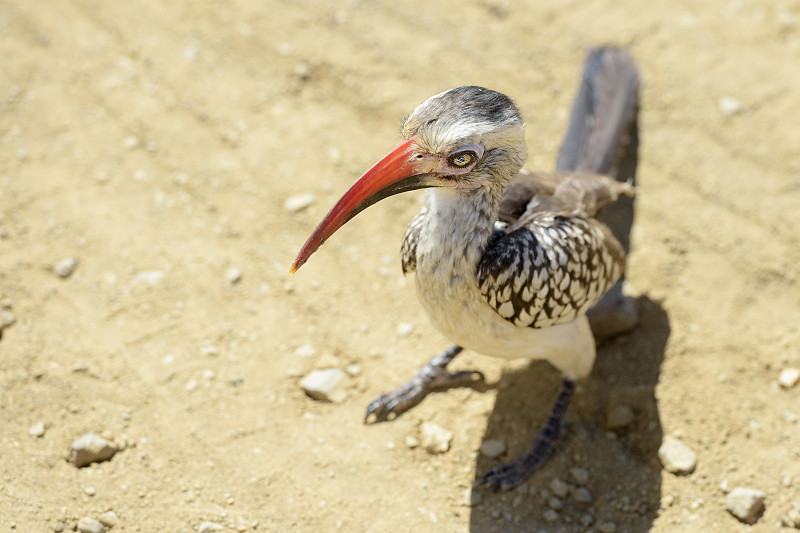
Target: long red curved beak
[{"x": 395, "y": 173}]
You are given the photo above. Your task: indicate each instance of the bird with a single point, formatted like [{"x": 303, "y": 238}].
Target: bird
[{"x": 506, "y": 261}]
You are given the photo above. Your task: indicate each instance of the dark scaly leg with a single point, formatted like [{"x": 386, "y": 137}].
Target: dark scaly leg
[
  {"x": 509, "y": 475},
  {"x": 433, "y": 376}
]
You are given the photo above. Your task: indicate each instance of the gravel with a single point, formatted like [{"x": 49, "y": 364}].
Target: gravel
[
  {"x": 618, "y": 417},
  {"x": 208, "y": 527},
  {"x": 560, "y": 488},
  {"x": 233, "y": 275},
  {"x": 298, "y": 202},
  {"x": 607, "y": 527},
  {"x": 305, "y": 350},
  {"x": 676, "y": 457},
  {"x": 109, "y": 519},
  {"x": 493, "y": 448},
  {"x": 745, "y": 504},
  {"x": 789, "y": 377},
  {"x": 324, "y": 385},
  {"x": 91, "y": 448},
  {"x": 37, "y": 430},
  {"x": 580, "y": 475},
  {"x": 404, "y": 329},
  {"x": 90, "y": 525},
  {"x": 582, "y": 496},
  {"x": 66, "y": 266},
  {"x": 435, "y": 439}
]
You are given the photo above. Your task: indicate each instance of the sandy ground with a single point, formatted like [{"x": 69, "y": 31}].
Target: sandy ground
[{"x": 157, "y": 142}]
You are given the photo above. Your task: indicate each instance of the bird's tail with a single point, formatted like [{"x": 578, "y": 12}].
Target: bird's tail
[
  {"x": 603, "y": 133},
  {"x": 603, "y": 125}
]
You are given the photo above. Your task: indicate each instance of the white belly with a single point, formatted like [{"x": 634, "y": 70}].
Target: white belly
[{"x": 462, "y": 315}]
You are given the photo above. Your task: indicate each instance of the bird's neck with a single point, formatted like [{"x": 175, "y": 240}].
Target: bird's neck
[{"x": 460, "y": 223}]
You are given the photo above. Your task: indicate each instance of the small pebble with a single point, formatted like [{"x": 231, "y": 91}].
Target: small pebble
[
  {"x": 580, "y": 475},
  {"x": 90, "y": 491},
  {"x": 109, "y": 519},
  {"x": 676, "y": 457},
  {"x": 298, "y": 202},
  {"x": 555, "y": 503},
  {"x": 559, "y": 487},
  {"x": 233, "y": 275},
  {"x": 7, "y": 319},
  {"x": 90, "y": 525},
  {"x": 404, "y": 329},
  {"x": 493, "y": 448},
  {"x": 582, "y": 495},
  {"x": 619, "y": 416},
  {"x": 306, "y": 350},
  {"x": 729, "y": 106},
  {"x": 208, "y": 527},
  {"x": 37, "y": 430},
  {"x": 745, "y": 504},
  {"x": 789, "y": 377},
  {"x": 66, "y": 267},
  {"x": 435, "y": 439},
  {"x": 150, "y": 277},
  {"x": 550, "y": 515},
  {"x": 324, "y": 385},
  {"x": 792, "y": 518},
  {"x": 607, "y": 527},
  {"x": 90, "y": 448}
]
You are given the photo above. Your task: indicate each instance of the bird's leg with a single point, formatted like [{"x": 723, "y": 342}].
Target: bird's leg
[
  {"x": 511, "y": 474},
  {"x": 433, "y": 376}
]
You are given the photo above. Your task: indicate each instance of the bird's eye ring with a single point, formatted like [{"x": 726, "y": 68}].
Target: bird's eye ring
[{"x": 462, "y": 159}]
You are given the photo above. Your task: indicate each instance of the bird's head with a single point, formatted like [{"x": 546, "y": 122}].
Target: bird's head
[{"x": 468, "y": 138}]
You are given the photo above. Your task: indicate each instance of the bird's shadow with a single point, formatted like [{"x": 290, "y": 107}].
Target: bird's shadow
[{"x": 624, "y": 474}]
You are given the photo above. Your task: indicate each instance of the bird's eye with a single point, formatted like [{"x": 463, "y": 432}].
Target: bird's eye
[{"x": 462, "y": 159}]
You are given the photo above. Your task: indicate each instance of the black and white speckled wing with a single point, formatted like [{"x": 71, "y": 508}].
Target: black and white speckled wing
[
  {"x": 408, "y": 249},
  {"x": 554, "y": 260}
]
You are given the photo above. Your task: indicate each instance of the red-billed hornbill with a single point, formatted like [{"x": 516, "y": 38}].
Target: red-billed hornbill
[{"x": 507, "y": 261}]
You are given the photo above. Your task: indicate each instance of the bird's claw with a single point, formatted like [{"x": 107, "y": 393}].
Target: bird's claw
[
  {"x": 505, "y": 476},
  {"x": 392, "y": 404}
]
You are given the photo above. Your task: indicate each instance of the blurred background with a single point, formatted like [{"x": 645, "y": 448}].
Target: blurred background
[{"x": 161, "y": 163}]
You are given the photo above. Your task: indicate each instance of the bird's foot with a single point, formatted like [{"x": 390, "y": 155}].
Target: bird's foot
[
  {"x": 433, "y": 376},
  {"x": 509, "y": 475}
]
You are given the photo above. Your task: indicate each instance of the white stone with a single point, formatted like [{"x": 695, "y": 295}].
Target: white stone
[
  {"x": 676, "y": 457},
  {"x": 404, "y": 329},
  {"x": 233, "y": 275},
  {"x": 619, "y": 416},
  {"x": 729, "y": 106},
  {"x": 66, "y": 266},
  {"x": 324, "y": 385},
  {"x": 37, "y": 430},
  {"x": 306, "y": 350},
  {"x": 90, "y": 448},
  {"x": 90, "y": 525},
  {"x": 789, "y": 377},
  {"x": 208, "y": 527},
  {"x": 745, "y": 504},
  {"x": 149, "y": 276},
  {"x": 580, "y": 475},
  {"x": 109, "y": 519},
  {"x": 435, "y": 439},
  {"x": 493, "y": 448},
  {"x": 298, "y": 202},
  {"x": 559, "y": 487}
]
